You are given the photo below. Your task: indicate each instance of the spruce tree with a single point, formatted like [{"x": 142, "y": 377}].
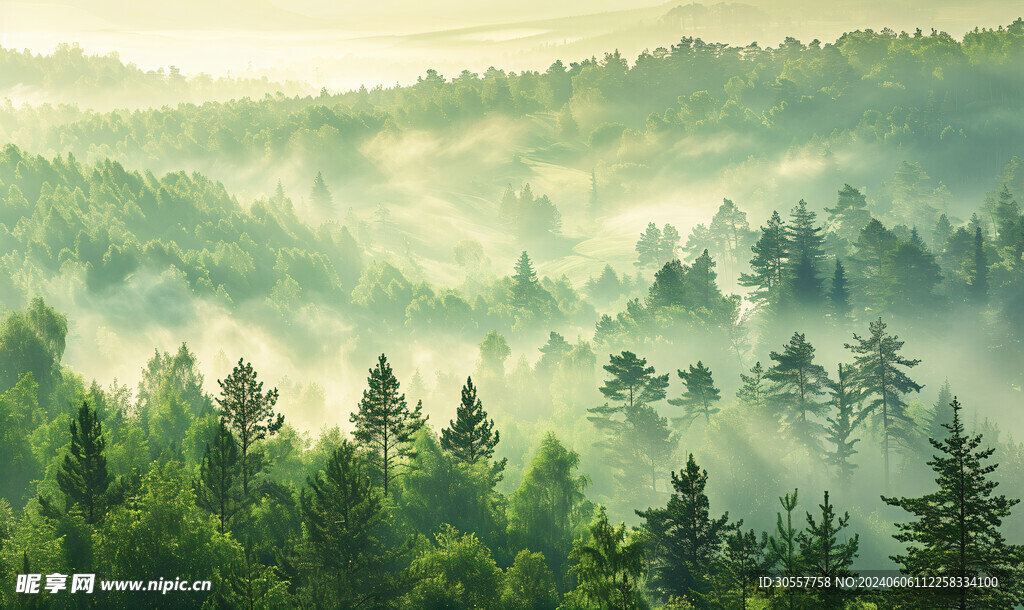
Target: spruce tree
[
  {"x": 701, "y": 394},
  {"x": 846, "y": 396},
  {"x": 979, "y": 277},
  {"x": 805, "y": 255},
  {"x": 471, "y": 437},
  {"x": 822, "y": 553},
  {"x": 686, "y": 540},
  {"x": 218, "y": 488},
  {"x": 702, "y": 291},
  {"x": 768, "y": 267},
  {"x": 799, "y": 383},
  {"x": 524, "y": 283},
  {"x": 649, "y": 247},
  {"x": 880, "y": 376},
  {"x": 249, "y": 413},
  {"x": 83, "y": 477},
  {"x": 320, "y": 195},
  {"x": 955, "y": 530},
  {"x": 839, "y": 294},
  {"x": 346, "y": 555},
  {"x": 783, "y": 551},
  {"x": 384, "y": 423}
]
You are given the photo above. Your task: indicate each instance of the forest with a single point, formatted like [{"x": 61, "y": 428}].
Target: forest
[{"x": 714, "y": 327}]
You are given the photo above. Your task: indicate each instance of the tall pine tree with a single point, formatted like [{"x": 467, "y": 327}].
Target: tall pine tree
[
  {"x": 955, "y": 531},
  {"x": 701, "y": 394},
  {"x": 218, "y": 488},
  {"x": 83, "y": 477},
  {"x": 846, "y": 397},
  {"x": 250, "y": 414},
  {"x": 471, "y": 437},
  {"x": 384, "y": 423},
  {"x": 799, "y": 383}
]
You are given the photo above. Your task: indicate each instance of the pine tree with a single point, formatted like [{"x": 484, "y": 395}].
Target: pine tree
[
  {"x": 839, "y": 294},
  {"x": 941, "y": 415},
  {"x": 742, "y": 562},
  {"x": 686, "y": 540},
  {"x": 876, "y": 360},
  {"x": 798, "y": 384},
  {"x": 755, "y": 389},
  {"x": 524, "y": 283},
  {"x": 805, "y": 255},
  {"x": 636, "y": 434},
  {"x": 873, "y": 254},
  {"x": 979, "y": 276},
  {"x": 218, "y": 486},
  {"x": 83, "y": 477},
  {"x": 649, "y": 247},
  {"x": 669, "y": 287},
  {"x": 700, "y": 281},
  {"x": 249, "y": 413},
  {"x": 955, "y": 531},
  {"x": 320, "y": 195},
  {"x": 669, "y": 244},
  {"x": 849, "y": 215},
  {"x": 552, "y": 353},
  {"x": 608, "y": 568},
  {"x": 384, "y": 423},
  {"x": 846, "y": 396},
  {"x": 768, "y": 267},
  {"x": 700, "y": 396},
  {"x": 822, "y": 554},
  {"x": 730, "y": 233},
  {"x": 346, "y": 554},
  {"x": 471, "y": 437},
  {"x": 783, "y": 553}
]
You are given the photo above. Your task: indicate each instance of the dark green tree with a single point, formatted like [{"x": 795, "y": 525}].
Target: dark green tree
[
  {"x": 768, "y": 275},
  {"x": 881, "y": 377},
  {"x": 955, "y": 530},
  {"x": 346, "y": 555},
  {"x": 839, "y": 294},
  {"x": 783, "y": 551},
  {"x": 249, "y": 413},
  {"x": 685, "y": 540},
  {"x": 978, "y": 287},
  {"x": 823, "y": 554},
  {"x": 632, "y": 382},
  {"x": 384, "y": 423},
  {"x": 471, "y": 437},
  {"x": 524, "y": 283},
  {"x": 83, "y": 477},
  {"x": 218, "y": 488},
  {"x": 608, "y": 568},
  {"x": 529, "y": 584},
  {"x": 702, "y": 291},
  {"x": 669, "y": 287},
  {"x": 700, "y": 396},
  {"x": 805, "y": 255},
  {"x": 799, "y": 383},
  {"x": 741, "y": 563}
]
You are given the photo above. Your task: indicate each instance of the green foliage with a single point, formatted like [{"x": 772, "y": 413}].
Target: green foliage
[
  {"x": 456, "y": 573},
  {"x": 218, "y": 488},
  {"x": 608, "y": 568},
  {"x": 956, "y": 528},
  {"x": 529, "y": 584},
  {"x": 83, "y": 477},
  {"x": 21, "y": 415},
  {"x": 249, "y": 413},
  {"x": 348, "y": 554},
  {"x": 471, "y": 436},
  {"x": 798, "y": 384},
  {"x": 700, "y": 396},
  {"x": 384, "y": 423}
]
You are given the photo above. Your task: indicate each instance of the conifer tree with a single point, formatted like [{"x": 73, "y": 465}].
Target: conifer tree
[
  {"x": 874, "y": 250},
  {"x": 83, "y": 477},
  {"x": 798, "y": 384},
  {"x": 384, "y": 423},
  {"x": 632, "y": 381},
  {"x": 701, "y": 394},
  {"x": 839, "y": 294},
  {"x": 730, "y": 234},
  {"x": 249, "y": 413},
  {"x": 471, "y": 437},
  {"x": 700, "y": 280},
  {"x": 805, "y": 255},
  {"x": 942, "y": 414},
  {"x": 685, "y": 539},
  {"x": 979, "y": 276},
  {"x": 649, "y": 247},
  {"x": 553, "y": 351},
  {"x": 784, "y": 553},
  {"x": 346, "y": 553},
  {"x": 218, "y": 488},
  {"x": 768, "y": 266},
  {"x": 320, "y": 195},
  {"x": 846, "y": 396},
  {"x": 608, "y": 568},
  {"x": 524, "y": 283},
  {"x": 849, "y": 215},
  {"x": 880, "y": 376},
  {"x": 822, "y": 553},
  {"x": 955, "y": 529},
  {"x": 669, "y": 287},
  {"x": 742, "y": 562},
  {"x": 754, "y": 389},
  {"x": 669, "y": 244}
]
